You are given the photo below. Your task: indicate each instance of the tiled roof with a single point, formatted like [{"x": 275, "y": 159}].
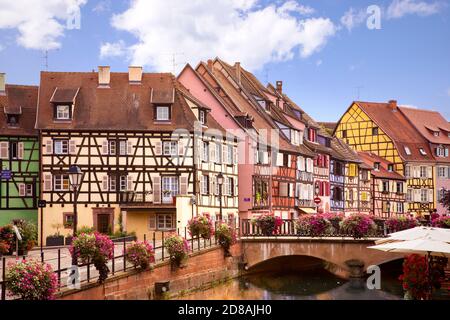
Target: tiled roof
[
  {"x": 370, "y": 158},
  {"x": 61, "y": 95},
  {"x": 399, "y": 129},
  {"x": 22, "y": 101},
  {"x": 427, "y": 122},
  {"x": 122, "y": 106},
  {"x": 342, "y": 151}
]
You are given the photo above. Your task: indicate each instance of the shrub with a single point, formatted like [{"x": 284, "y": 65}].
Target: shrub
[
  {"x": 358, "y": 226},
  {"x": 201, "y": 226},
  {"x": 4, "y": 247},
  {"x": 7, "y": 235},
  {"x": 177, "y": 247},
  {"x": 140, "y": 254},
  {"x": 395, "y": 224},
  {"x": 441, "y": 222},
  {"x": 415, "y": 276},
  {"x": 226, "y": 236},
  {"x": 313, "y": 225},
  {"x": 31, "y": 280},
  {"x": 95, "y": 248},
  {"x": 28, "y": 231},
  {"x": 268, "y": 223}
]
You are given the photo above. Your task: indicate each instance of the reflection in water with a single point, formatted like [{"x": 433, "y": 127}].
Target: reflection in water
[{"x": 317, "y": 284}]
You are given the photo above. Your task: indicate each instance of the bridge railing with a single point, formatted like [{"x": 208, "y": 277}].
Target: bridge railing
[{"x": 288, "y": 228}]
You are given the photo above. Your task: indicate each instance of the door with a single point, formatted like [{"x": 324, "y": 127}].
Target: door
[{"x": 103, "y": 223}]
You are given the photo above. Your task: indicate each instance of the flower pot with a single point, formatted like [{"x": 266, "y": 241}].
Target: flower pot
[
  {"x": 54, "y": 241},
  {"x": 22, "y": 252},
  {"x": 68, "y": 240}
]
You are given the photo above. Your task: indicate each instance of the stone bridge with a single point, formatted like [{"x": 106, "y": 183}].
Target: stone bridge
[{"x": 345, "y": 257}]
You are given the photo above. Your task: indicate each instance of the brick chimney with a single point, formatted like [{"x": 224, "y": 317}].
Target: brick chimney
[
  {"x": 2, "y": 84},
  {"x": 237, "y": 66},
  {"x": 104, "y": 76},
  {"x": 134, "y": 74},
  {"x": 210, "y": 64},
  {"x": 280, "y": 86},
  {"x": 393, "y": 104}
]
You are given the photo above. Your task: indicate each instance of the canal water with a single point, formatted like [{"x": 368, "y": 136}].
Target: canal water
[{"x": 313, "y": 284}]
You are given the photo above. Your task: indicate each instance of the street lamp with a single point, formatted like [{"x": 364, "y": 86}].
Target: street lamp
[
  {"x": 220, "y": 183},
  {"x": 75, "y": 176}
]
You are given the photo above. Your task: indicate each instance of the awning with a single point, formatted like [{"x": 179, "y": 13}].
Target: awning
[{"x": 307, "y": 210}]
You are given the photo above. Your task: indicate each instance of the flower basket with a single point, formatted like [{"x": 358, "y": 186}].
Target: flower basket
[
  {"x": 178, "y": 249},
  {"x": 268, "y": 224},
  {"x": 31, "y": 280},
  {"x": 226, "y": 237},
  {"x": 313, "y": 225},
  {"x": 201, "y": 226},
  {"x": 358, "y": 226},
  {"x": 95, "y": 248},
  {"x": 140, "y": 254}
]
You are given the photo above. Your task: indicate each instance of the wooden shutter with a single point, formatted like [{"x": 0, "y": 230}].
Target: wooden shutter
[
  {"x": 20, "y": 150},
  {"x": 214, "y": 190},
  {"x": 235, "y": 155},
  {"x": 22, "y": 190},
  {"x": 224, "y": 153},
  {"x": 49, "y": 146},
  {"x": 157, "y": 189},
  {"x": 129, "y": 147},
  {"x": 72, "y": 147},
  {"x": 105, "y": 147},
  {"x": 4, "y": 150},
  {"x": 105, "y": 180},
  {"x": 429, "y": 172},
  {"x": 152, "y": 221},
  {"x": 212, "y": 153},
  {"x": 158, "y": 148},
  {"x": 283, "y": 189},
  {"x": 130, "y": 182},
  {"x": 279, "y": 159},
  {"x": 430, "y": 195},
  {"x": 47, "y": 182},
  {"x": 181, "y": 148},
  {"x": 183, "y": 185}
]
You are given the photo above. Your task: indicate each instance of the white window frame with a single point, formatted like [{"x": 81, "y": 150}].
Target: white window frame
[
  {"x": 202, "y": 116},
  {"x": 59, "y": 181},
  {"x": 400, "y": 207},
  {"x": 62, "y": 114},
  {"x": 122, "y": 147},
  {"x": 112, "y": 147},
  {"x": 423, "y": 172},
  {"x": 230, "y": 154},
  {"x": 219, "y": 157},
  {"x": 170, "y": 148},
  {"x": 162, "y": 113},
  {"x": 205, "y": 151},
  {"x": 164, "y": 221},
  {"x": 28, "y": 189},
  {"x": 422, "y": 151},
  {"x": 229, "y": 186},
  {"x": 204, "y": 184},
  {"x": 424, "y": 195},
  {"x": 169, "y": 183},
  {"x": 61, "y": 146},
  {"x": 123, "y": 183},
  {"x": 407, "y": 150}
]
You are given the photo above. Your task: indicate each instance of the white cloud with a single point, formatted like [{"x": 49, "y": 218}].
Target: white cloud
[
  {"x": 400, "y": 8},
  {"x": 102, "y": 6},
  {"x": 353, "y": 18},
  {"x": 294, "y": 6},
  {"x": 112, "y": 49},
  {"x": 40, "y": 24},
  {"x": 236, "y": 30},
  {"x": 319, "y": 62}
]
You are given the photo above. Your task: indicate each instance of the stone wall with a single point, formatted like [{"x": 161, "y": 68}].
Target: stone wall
[{"x": 201, "y": 269}]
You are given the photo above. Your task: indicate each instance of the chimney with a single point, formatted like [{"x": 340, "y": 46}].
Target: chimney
[
  {"x": 210, "y": 64},
  {"x": 135, "y": 74},
  {"x": 2, "y": 84},
  {"x": 280, "y": 87},
  {"x": 104, "y": 76},
  {"x": 237, "y": 65},
  {"x": 393, "y": 104}
]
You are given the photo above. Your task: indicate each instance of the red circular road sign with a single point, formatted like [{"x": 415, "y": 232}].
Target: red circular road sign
[{"x": 317, "y": 200}]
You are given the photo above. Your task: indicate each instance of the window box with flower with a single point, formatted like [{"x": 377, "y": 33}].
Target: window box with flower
[{"x": 268, "y": 224}]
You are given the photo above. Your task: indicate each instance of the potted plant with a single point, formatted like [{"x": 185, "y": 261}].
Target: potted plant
[
  {"x": 57, "y": 239},
  {"x": 178, "y": 249},
  {"x": 140, "y": 254},
  {"x": 28, "y": 231},
  {"x": 95, "y": 248},
  {"x": 358, "y": 226},
  {"x": 313, "y": 225},
  {"x": 7, "y": 235},
  {"x": 226, "y": 237},
  {"x": 31, "y": 280},
  {"x": 268, "y": 224},
  {"x": 201, "y": 226},
  {"x": 4, "y": 248}
]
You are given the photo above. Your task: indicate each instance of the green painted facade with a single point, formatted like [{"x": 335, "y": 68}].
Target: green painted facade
[{"x": 15, "y": 204}]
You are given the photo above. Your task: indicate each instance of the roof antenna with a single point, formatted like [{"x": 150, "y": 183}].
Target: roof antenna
[
  {"x": 358, "y": 91},
  {"x": 45, "y": 57}
]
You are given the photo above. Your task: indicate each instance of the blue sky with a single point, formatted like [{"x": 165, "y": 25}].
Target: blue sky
[{"x": 325, "y": 59}]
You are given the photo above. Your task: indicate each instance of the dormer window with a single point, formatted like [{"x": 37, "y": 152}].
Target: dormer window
[
  {"x": 376, "y": 166},
  {"x": 436, "y": 133},
  {"x": 390, "y": 167},
  {"x": 441, "y": 151},
  {"x": 422, "y": 152},
  {"x": 202, "y": 116},
  {"x": 63, "y": 112},
  {"x": 162, "y": 113},
  {"x": 407, "y": 151},
  {"x": 12, "y": 120}
]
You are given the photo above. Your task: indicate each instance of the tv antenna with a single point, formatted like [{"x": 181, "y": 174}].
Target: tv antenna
[
  {"x": 45, "y": 57},
  {"x": 358, "y": 91}
]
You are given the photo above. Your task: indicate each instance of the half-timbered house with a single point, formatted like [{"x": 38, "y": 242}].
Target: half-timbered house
[
  {"x": 146, "y": 147},
  {"x": 387, "y": 188},
  {"x": 19, "y": 152},
  {"x": 382, "y": 129}
]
